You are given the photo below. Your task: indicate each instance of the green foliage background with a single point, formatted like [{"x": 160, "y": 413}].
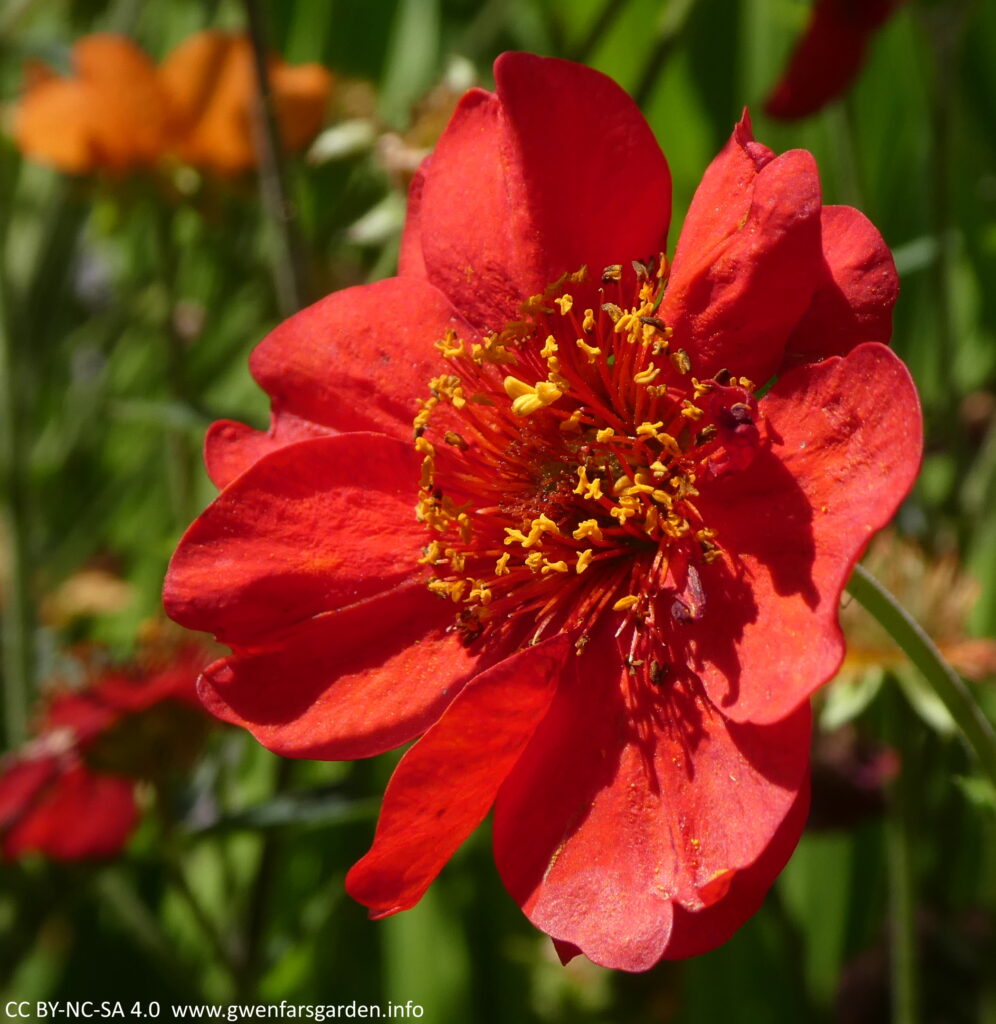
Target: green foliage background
[{"x": 243, "y": 899}]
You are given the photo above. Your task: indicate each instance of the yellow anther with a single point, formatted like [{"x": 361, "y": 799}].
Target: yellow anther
[
  {"x": 588, "y": 324},
  {"x": 646, "y": 376},
  {"x": 588, "y": 528},
  {"x": 565, "y": 302},
  {"x": 701, "y": 387},
  {"x": 680, "y": 361},
  {"x": 670, "y": 443},
  {"x": 465, "y": 526},
  {"x": 549, "y": 348},
  {"x": 591, "y": 351},
  {"x": 625, "y": 603},
  {"x": 583, "y": 482},
  {"x": 501, "y": 566},
  {"x": 746, "y": 382},
  {"x": 453, "y": 590},
  {"x": 457, "y": 559},
  {"x": 625, "y": 322},
  {"x": 613, "y": 272},
  {"x": 527, "y": 399},
  {"x": 584, "y": 560},
  {"x": 706, "y": 533},
  {"x": 535, "y": 561},
  {"x": 621, "y": 483},
  {"x": 560, "y": 566},
  {"x": 605, "y": 434},
  {"x": 573, "y": 422},
  {"x": 662, "y": 498},
  {"x": 594, "y": 492},
  {"x": 543, "y": 524},
  {"x": 480, "y": 592},
  {"x": 650, "y": 520},
  {"x": 658, "y": 469},
  {"x": 451, "y": 346},
  {"x": 656, "y": 390},
  {"x": 455, "y": 439},
  {"x": 622, "y": 513},
  {"x": 649, "y": 429},
  {"x": 517, "y": 537},
  {"x": 690, "y": 411},
  {"x": 613, "y": 310},
  {"x": 424, "y": 447},
  {"x": 433, "y": 552}
]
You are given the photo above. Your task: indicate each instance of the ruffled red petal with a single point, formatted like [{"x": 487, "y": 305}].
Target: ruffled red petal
[
  {"x": 309, "y": 528},
  {"x": 697, "y": 932},
  {"x": 854, "y": 301},
  {"x": 509, "y": 192},
  {"x": 748, "y": 260},
  {"x": 410, "y": 261},
  {"x": 846, "y": 445},
  {"x": 20, "y": 784},
  {"x": 446, "y": 783},
  {"x": 359, "y": 359},
  {"x": 230, "y": 448},
  {"x": 347, "y": 684},
  {"x": 622, "y": 807},
  {"x": 79, "y": 815}
]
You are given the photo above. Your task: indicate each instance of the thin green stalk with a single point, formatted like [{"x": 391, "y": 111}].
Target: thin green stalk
[
  {"x": 901, "y": 841},
  {"x": 18, "y": 613},
  {"x": 289, "y": 268},
  {"x": 261, "y": 895},
  {"x": 673, "y": 24},
  {"x": 599, "y": 28},
  {"x": 976, "y": 730},
  {"x": 118, "y": 894}
]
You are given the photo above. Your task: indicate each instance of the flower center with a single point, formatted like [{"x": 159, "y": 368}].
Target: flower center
[{"x": 561, "y": 457}]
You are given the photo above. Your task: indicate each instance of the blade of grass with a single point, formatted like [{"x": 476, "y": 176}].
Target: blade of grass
[{"x": 976, "y": 730}]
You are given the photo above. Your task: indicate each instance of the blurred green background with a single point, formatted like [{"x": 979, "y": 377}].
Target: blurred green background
[{"x": 129, "y": 309}]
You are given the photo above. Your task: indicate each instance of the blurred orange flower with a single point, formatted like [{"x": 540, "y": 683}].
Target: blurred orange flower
[{"x": 119, "y": 113}]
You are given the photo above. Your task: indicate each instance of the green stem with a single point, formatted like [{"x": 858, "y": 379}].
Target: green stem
[
  {"x": 669, "y": 35},
  {"x": 289, "y": 268},
  {"x": 18, "y": 617},
  {"x": 118, "y": 894},
  {"x": 976, "y": 730},
  {"x": 901, "y": 844}
]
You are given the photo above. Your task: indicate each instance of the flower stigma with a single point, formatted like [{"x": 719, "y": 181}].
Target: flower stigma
[{"x": 561, "y": 458}]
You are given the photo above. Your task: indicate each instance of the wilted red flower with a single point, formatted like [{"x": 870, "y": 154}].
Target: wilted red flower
[
  {"x": 119, "y": 113},
  {"x": 622, "y": 580},
  {"x": 828, "y": 56},
  {"x": 69, "y": 793}
]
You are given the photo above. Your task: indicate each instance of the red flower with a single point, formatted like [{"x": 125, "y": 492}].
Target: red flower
[
  {"x": 69, "y": 793},
  {"x": 828, "y": 56},
  {"x": 622, "y": 580}
]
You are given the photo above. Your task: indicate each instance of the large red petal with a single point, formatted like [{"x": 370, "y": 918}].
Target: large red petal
[
  {"x": 309, "y": 528},
  {"x": 626, "y": 804},
  {"x": 346, "y": 684},
  {"x": 446, "y": 784},
  {"x": 359, "y": 359},
  {"x": 520, "y": 190},
  {"x": 855, "y": 299},
  {"x": 847, "y": 440},
  {"x": 748, "y": 260}
]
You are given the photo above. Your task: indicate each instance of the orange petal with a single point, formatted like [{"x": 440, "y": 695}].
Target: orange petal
[{"x": 110, "y": 116}]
